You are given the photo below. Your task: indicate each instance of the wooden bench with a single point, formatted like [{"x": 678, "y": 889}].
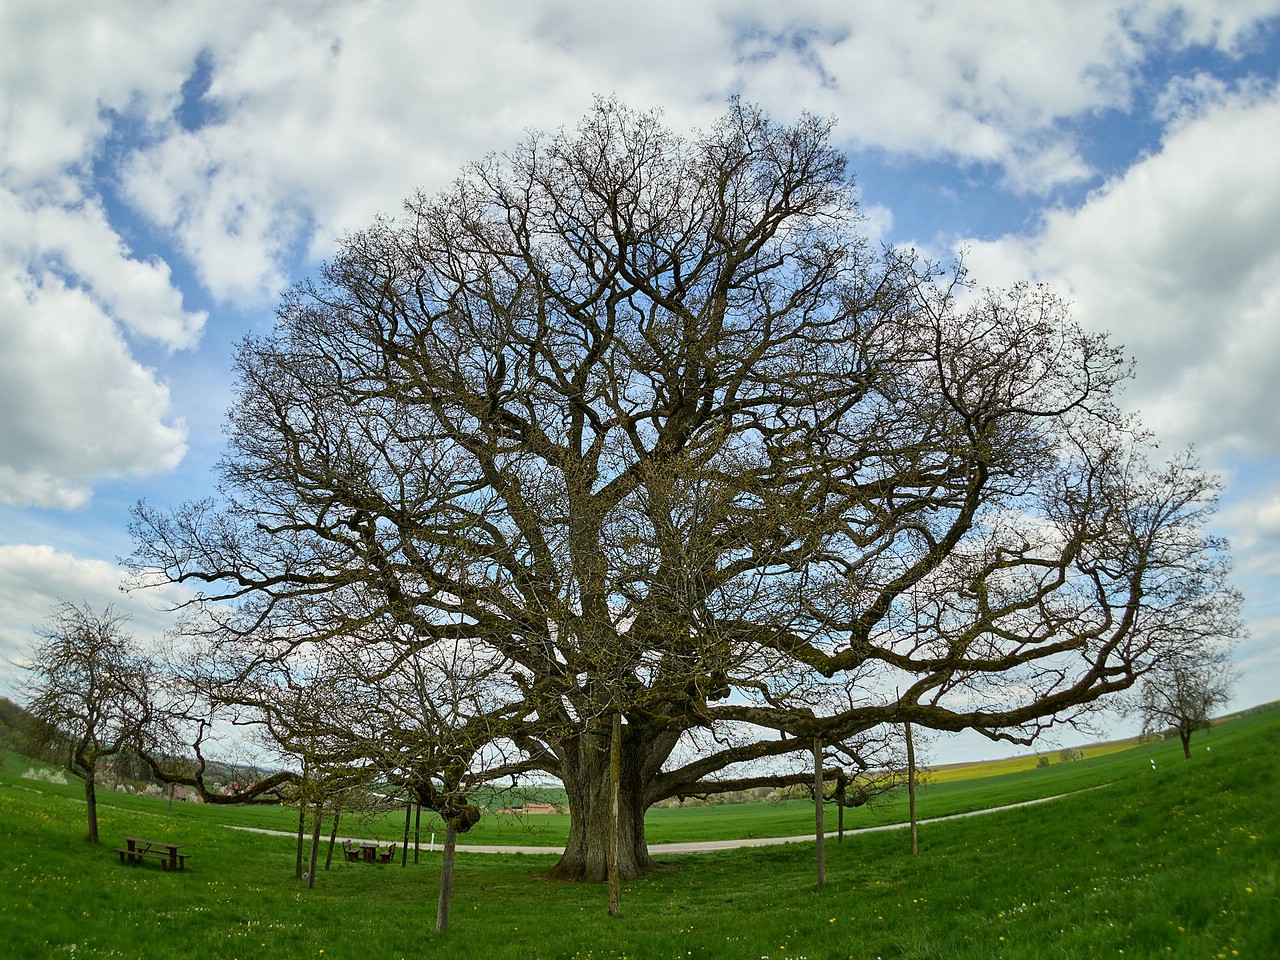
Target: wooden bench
[
  {"x": 177, "y": 861},
  {"x": 138, "y": 849}
]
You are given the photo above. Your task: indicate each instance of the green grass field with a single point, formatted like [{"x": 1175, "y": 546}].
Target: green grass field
[{"x": 1177, "y": 861}]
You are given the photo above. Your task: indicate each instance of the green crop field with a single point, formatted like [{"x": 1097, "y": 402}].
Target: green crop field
[{"x": 1176, "y": 861}]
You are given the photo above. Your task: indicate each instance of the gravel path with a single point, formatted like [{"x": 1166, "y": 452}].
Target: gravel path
[{"x": 707, "y": 846}]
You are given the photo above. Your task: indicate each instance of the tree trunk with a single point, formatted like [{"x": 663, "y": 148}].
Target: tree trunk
[
  {"x": 91, "y": 805},
  {"x": 446, "y": 876},
  {"x": 819, "y": 827},
  {"x": 302, "y": 830},
  {"x": 417, "y": 830},
  {"x": 404, "y": 846},
  {"x": 315, "y": 845},
  {"x": 615, "y": 834},
  {"x": 333, "y": 837},
  {"x": 1184, "y": 734},
  {"x": 840, "y": 794},
  {"x": 911, "y": 787},
  {"x": 585, "y": 774}
]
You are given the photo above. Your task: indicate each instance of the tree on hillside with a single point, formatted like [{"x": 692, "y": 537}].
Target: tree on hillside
[
  {"x": 379, "y": 715},
  {"x": 1183, "y": 691},
  {"x": 643, "y": 421},
  {"x": 88, "y": 692}
]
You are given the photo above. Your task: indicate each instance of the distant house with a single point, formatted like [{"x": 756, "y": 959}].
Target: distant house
[{"x": 538, "y": 808}]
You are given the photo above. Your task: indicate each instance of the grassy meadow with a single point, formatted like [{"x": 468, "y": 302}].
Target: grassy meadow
[{"x": 1176, "y": 861}]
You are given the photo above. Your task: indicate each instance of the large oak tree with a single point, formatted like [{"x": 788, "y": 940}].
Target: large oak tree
[{"x": 647, "y": 421}]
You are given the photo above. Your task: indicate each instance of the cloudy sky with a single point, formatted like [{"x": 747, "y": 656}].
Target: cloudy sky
[{"x": 167, "y": 168}]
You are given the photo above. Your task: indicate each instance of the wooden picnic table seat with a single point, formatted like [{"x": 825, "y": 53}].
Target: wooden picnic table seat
[
  {"x": 167, "y": 861},
  {"x": 352, "y": 854},
  {"x": 138, "y": 849},
  {"x": 389, "y": 855}
]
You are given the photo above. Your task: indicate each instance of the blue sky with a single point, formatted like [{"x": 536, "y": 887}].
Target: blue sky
[{"x": 167, "y": 168}]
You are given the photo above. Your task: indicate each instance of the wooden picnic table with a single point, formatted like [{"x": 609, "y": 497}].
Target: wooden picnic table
[
  {"x": 138, "y": 849},
  {"x": 366, "y": 850}
]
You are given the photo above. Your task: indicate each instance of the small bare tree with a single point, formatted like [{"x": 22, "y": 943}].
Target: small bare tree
[
  {"x": 88, "y": 693},
  {"x": 1183, "y": 691}
]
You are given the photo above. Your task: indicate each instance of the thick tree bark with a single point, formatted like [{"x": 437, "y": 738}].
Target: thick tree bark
[
  {"x": 585, "y": 774},
  {"x": 1184, "y": 734},
  {"x": 91, "y": 806},
  {"x": 615, "y": 838}
]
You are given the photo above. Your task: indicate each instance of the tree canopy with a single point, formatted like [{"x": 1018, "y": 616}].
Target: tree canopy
[
  {"x": 88, "y": 696},
  {"x": 1183, "y": 689},
  {"x": 646, "y": 424}
]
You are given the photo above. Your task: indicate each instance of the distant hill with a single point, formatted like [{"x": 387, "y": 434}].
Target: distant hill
[
  {"x": 972, "y": 769},
  {"x": 12, "y": 719}
]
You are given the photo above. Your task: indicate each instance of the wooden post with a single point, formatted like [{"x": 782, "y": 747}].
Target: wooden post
[
  {"x": 315, "y": 844},
  {"x": 333, "y": 837},
  {"x": 818, "y": 825},
  {"x": 911, "y": 787},
  {"x": 840, "y": 795},
  {"x": 417, "y": 830},
  {"x": 404, "y": 847},
  {"x": 303, "y": 790},
  {"x": 446, "y": 875},
  {"x": 615, "y": 825},
  {"x": 302, "y": 829}
]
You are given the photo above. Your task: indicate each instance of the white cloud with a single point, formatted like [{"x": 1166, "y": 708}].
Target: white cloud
[
  {"x": 1185, "y": 97},
  {"x": 330, "y": 119},
  {"x": 75, "y": 407},
  {"x": 1252, "y": 523},
  {"x": 331, "y": 114},
  {"x": 67, "y": 68},
  {"x": 1258, "y": 661},
  {"x": 1229, "y": 26},
  {"x": 323, "y": 114},
  {"x": 38, "y": 577},
  {"x": 999, "y": 83},
  {"x": 1179, "y": 258},
  {"x": 978, "y": 83},
  {"x": 77, "y": 243}
]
